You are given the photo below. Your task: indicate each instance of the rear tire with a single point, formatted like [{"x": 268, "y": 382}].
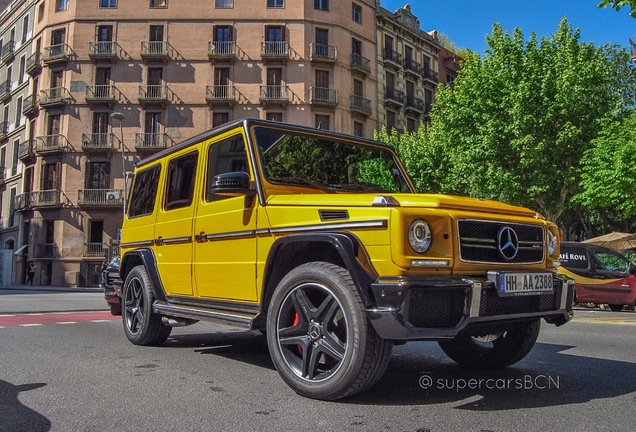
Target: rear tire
[
  {"x": 141, "y": 325},
  {"x": 493, "y": 350},
  {"x": 616, "y": 307},
  {"x": 319, "y": 336}
]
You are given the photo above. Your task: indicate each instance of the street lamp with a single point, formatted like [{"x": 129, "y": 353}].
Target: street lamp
[{"x": 120, "y": 116}]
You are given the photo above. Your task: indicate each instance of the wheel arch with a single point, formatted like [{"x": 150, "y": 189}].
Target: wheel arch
[
  {"x": 146, "y": 258},
  {"x": 343, "y": 249}
]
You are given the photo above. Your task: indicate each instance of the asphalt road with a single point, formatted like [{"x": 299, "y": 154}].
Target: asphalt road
[{"x": 79, "y": 373}]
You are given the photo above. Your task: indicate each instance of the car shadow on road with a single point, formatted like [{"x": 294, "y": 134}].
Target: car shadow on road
[{"x": 14, "y": 416}]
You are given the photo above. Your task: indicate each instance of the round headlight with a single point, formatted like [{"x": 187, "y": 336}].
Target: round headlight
[
  {"x": 420, "y": 235},
  {"x": 553, "y": 241}
]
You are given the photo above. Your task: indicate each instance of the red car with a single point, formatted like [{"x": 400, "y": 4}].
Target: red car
[{"x": 601, "y": 275}]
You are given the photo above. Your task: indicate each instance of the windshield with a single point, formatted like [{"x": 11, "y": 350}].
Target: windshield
[{"x": 332, "y": 165}]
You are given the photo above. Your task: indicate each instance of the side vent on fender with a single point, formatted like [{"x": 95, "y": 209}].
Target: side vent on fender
[{"x": 331, "y": 215}]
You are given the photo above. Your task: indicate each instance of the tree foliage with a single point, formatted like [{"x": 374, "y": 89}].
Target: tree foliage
[{"x": 618, "y": 4}]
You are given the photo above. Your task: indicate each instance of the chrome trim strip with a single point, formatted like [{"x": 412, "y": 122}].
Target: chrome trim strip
[
  {"x": 333, "y": 226},
  {"x": 249, "y": 233},
  {"x": 173, "y": 240},
  {"x": 138, "y": 243}
]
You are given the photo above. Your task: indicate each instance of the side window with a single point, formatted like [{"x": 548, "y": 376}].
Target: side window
[
  {"x": 225, "y": 156},
  {"x": 611, "y": 262},
  {"x": 181, "y": 175},
  {"x": 144, "y": 192}
]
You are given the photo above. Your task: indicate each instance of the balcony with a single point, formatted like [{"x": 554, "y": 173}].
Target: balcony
[
  {"x": 151, "y": 141},
  {"x": 100, "y": 197},
  {"x": 392, "y": 58},
  {"x": 360, "y": 105},
  {"x": 3, "y": 175},
  {"x": 360, "y": 64},
  {"x": 275, "y": 51},
  {"x": 222, "y": 50},
  {"x": 412, "y": 68},
  {"x": 30, "y": 105},
  {"x": 45, "y": 198},
  {"x": 47, "y": 144},
  {"x": 155, "y": 51},
  {"x": 97, "y": 142},
  {"x": 59, "y": 53},
  {"x": 4, "y": 130},
  {"x": 322, "y": 96},
  {"x": 103, "y": 51},
  {"x": 220, "y": 94},
  {"x": 154, "y": 95},
  {"x": 34, "y": 64},
  {"x": 393, "y": 96},
  {"x": 46, "y": 251},
  {"x": 22, "y": 201},
  {"x": 101, "y": 94},
  {"x": 414, "y": 104},
  {"x": 26, "y": 151},
  {"x": 430, "y": 75},
  {"x": 8, "y": 50},
  {"x": 54, "y": 97},
  {"x": 274, "y": 94},
  {"x": 95, "y": 250},
  {"x": 5, "y": 90},
  {"x": 320, "y": 53}
]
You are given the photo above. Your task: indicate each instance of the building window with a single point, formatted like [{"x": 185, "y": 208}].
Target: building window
[
  {"x": 21, "y": 69},
  {"x": 411, "y": 124},
  {"x": 222, "y": 34},
  {"x": 321, "y": 5},
  {"x": 61, "y": 5},
  {"x": 219, "y": 118},
  {"x": 358, "y": 129},
  {"x": 356, "y": 13},
  {"x": 358, "y": 88},
  {"x": 25, "y": 29},
  {"x": 158, "y": 3},
  {"x": 275, "y": 3},
  {"x": 18, "y": 112},
  {"x": 274, "y": 116},
  {"x": 97, "y": 175},
  {"x": 224, "y": 3},
  {"x": 41, "y": 12},
  {"x": 16, "y": 152},
  {"x": 322, "y": 122},
  {"x": 390, "y": 121},
  {"x": 107, "y": 3}
]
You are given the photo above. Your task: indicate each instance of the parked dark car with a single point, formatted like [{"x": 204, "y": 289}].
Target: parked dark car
[
  {"x": 110, "y": 274},
  {"x": 601, "y": 275}
]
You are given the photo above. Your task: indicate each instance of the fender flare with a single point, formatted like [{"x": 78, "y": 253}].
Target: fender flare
[{"x": 146, "y": 258}]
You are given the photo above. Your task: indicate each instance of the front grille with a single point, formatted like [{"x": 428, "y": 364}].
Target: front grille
[
  {"x": 436, "y": 307},
  {"x": 491, "y": 304},
  {"x": 478, "y": 242}
]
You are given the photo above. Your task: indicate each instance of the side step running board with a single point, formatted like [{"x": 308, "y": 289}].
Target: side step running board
[{"x": 239, "y": 319}]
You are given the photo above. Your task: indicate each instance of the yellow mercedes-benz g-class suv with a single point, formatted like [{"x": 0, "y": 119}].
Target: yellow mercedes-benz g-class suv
[{"x": 320, "y": 241}]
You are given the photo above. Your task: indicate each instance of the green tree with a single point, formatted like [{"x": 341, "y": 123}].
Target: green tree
[
  {"x": 520, "y": 118},
  {"x": 618, "y": 4}
]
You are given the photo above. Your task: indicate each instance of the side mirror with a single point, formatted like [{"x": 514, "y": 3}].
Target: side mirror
[{"x": 232, "y": 184}]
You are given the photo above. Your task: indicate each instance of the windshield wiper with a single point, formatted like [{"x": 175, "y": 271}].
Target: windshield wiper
[{"x": 357, "y": 187}]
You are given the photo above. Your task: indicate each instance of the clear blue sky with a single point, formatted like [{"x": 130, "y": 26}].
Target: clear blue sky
[{"x": 467, "y": 22}]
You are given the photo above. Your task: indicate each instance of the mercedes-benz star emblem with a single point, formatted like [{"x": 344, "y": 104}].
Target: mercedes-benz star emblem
[{"x": 507, "y": 243}]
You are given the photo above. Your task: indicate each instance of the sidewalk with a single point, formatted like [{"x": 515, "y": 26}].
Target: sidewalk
[{"x": 51, "y": 288}]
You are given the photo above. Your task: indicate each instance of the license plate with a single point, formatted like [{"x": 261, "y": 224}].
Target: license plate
[{"x": 515, "y": 284}]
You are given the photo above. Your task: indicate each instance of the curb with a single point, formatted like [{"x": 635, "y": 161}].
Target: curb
[{"x": 40, "y": 288}]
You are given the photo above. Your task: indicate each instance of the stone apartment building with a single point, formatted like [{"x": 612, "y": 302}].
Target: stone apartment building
[{"x": 91, "y": 86}]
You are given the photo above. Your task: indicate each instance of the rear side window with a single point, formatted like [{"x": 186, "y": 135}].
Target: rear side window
[
  {"x": 144, "y": 192},
  {"x": 611, "y": 262},
  {"x": 574, "y": 258},
  {"x": 181, "y": 176}
]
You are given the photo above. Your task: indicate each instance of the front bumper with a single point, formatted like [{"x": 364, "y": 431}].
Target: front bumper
[{"x": 442, "y": 308}]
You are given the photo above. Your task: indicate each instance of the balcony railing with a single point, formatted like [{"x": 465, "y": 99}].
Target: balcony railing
[
  {"x": 155, "y": 50},
  {"x": 414, "y": 104},
  {"x": 22, "y": 201},
  {"x": 218, "y": 50},
  {"x": 56, "y": 53},
  {"x": 100, "y": 93},
  {"x": 323, "y": 96},
  {"x": 150, "y": 94},
  {"x": 393, "y": 57},
  {"x": 103, "y": 50},
  {"x": 413, "y": 68},
  {"x": 360, "y": 105},
  {"x": 97, "y": 141},
  {"x": 51, "y": 143},
  {"x": 30, "y": 105},
  {"x": 95, "y": 250},
  {"x": 54, "y": 97},
  {"x": 360, "y": 64},
  {"x": 4, "y": 129},
  {"x": 46, "y": 251},
  {"x": 220, "y": 93},
  {"x": 275, "y": 50},
  {"x": 26, "y": 150},
  {"x": 430, "y": 75},
  {"x": 274, "y": 93},
  {"x": 5, "y": 90},
  {"x": 45, "y": 198},
  {"x": 8, "y": 50},
  {"x": 151, "y": 141},
  {"x": 34, "y": 64},
  {"x": 100, "y": 197},
  {"x": 393, "y": 95},
  {"x": 3, "y": 174},
  {"x": 323, "y": 53}
]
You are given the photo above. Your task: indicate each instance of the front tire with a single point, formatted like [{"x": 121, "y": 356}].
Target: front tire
[
  {"x": 493, "y": 351},
  {"x": 141, "y": 325},
  {"x": 319, "y": 337},
  {"x": 616, "y": 307}
]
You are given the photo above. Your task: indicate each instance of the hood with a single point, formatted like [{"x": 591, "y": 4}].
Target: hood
[{"x": 446, "y": 202}]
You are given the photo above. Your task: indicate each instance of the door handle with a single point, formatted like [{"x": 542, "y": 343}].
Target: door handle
[{"x": 200, "y": 237}]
